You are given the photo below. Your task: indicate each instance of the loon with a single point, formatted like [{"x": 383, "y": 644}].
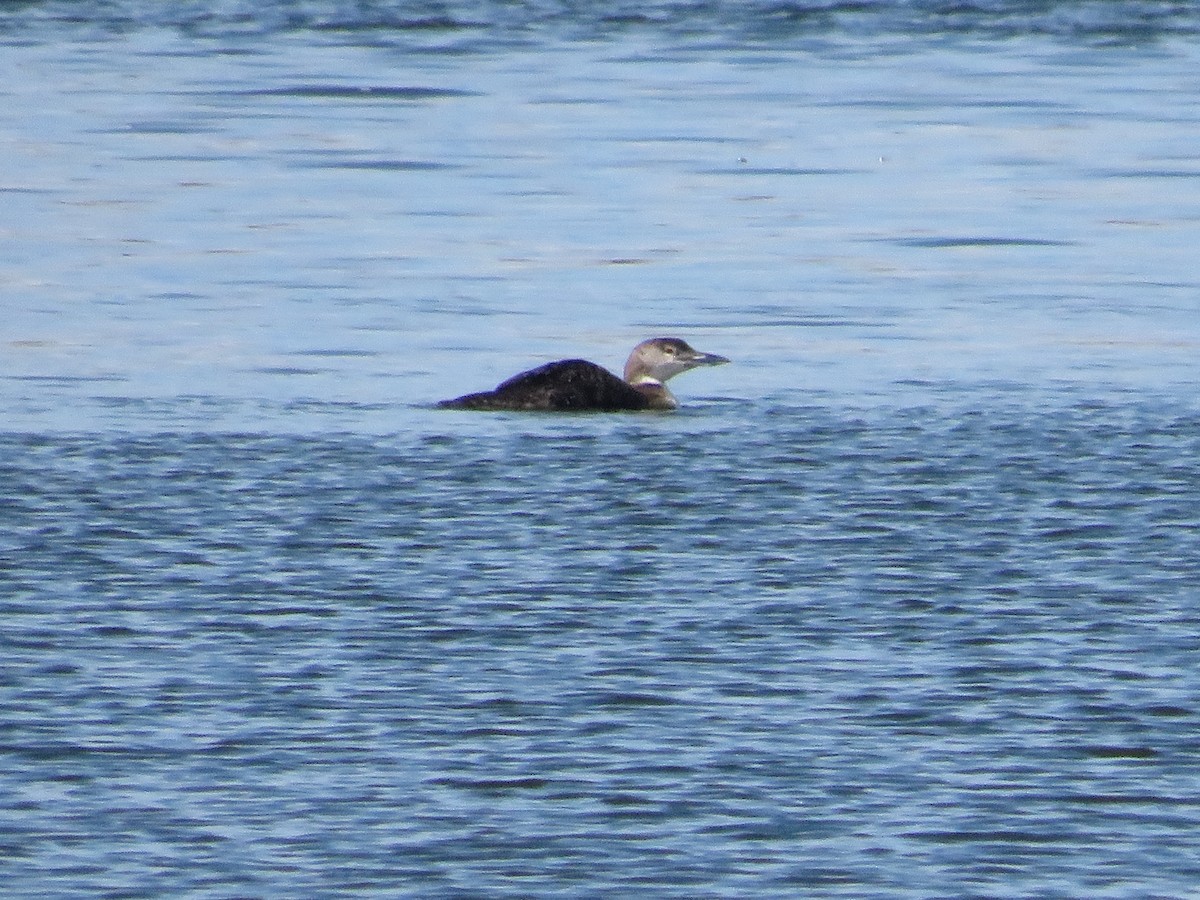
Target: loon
[{"x": 576, "y": 385}]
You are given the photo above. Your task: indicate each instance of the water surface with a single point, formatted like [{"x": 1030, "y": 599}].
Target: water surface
[{"x": 901, "y": 604}]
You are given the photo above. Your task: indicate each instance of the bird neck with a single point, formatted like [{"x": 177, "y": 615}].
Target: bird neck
[{"x": 656, "y": 393}]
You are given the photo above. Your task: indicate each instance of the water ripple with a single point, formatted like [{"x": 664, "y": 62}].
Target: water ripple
[{"x": 952, "y": 638}]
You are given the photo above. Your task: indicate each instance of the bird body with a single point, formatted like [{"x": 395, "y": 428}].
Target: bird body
[{"x": 576, "y": 385}]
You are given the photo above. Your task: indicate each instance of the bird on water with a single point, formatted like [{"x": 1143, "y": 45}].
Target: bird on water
[{"x": 576, "y": 385}]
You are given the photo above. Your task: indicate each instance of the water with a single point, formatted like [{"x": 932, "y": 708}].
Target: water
[{"x": 900, "y": 604}]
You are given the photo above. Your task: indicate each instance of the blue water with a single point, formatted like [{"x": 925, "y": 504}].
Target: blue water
[{"x": 901, "y": 604}]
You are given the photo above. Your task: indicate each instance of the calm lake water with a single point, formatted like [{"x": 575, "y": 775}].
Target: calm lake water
[{"x": 903, "y": 603}]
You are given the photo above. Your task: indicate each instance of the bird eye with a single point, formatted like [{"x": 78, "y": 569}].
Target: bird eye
[{"x": 669, "y": 350}]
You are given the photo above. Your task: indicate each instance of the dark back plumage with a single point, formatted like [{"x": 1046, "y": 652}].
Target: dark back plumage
[{"x": 567, "y": 385}]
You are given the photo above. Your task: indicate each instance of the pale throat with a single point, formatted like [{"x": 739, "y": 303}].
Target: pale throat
[{"x": 647, "y": 380}]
